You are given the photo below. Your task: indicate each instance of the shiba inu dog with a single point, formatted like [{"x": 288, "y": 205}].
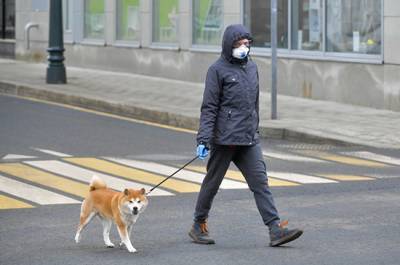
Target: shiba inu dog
[{"x": 121, "y": 207}]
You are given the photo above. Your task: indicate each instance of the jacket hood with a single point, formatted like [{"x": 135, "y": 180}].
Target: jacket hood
[{"x": 233, "y": 33}]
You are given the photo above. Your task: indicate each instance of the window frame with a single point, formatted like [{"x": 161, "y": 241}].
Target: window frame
[
  {"x": 213, "y": 48},
  {"x": 126, "y": 43},
  {"x": 88, "y": 40},
  {"x": 322, "y": 55},
  {"x": 67, "y": 15},
  {"x": 68, "y": 33},
  {"x": 160, "y": 44}
]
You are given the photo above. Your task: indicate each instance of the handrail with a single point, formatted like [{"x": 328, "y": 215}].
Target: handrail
[{"x": 27, "y": 31}]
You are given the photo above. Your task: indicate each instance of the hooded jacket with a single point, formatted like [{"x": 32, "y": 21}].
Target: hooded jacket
[{"x": 230, "y": 108}]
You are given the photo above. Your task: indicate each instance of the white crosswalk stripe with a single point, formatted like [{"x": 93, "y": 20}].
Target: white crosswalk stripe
[
  {"x": 86, "y": 175},
  {"x": 375, "y": 157},
  {"x": 291, "y": 157},
  {"x": 51, "y": 152},
  {"x": 299, "y": 178},
  {"x": 17, "y": 157},
  {"x": 183, "y": 174},
  {"x": 32, "y": 193}
]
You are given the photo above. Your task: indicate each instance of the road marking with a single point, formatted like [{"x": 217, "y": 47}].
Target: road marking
[
  {"x": 133, "y": 174},
  {"x": 86, "y": 175},
  {"x": 11, "y": 203},
  {"x": 379, "y": 176},
  {"x": 230, "y": 174},
  {"x": 345, "y": 159},
  {"x": 300, "y": 178},
  {"x": 291, "y": 157},
  {"x": 46, "y": 179},
  {"x": 50, "y": 152},
  {"x": 375, "y": 157},
  {"x": 159, "y": 125},
  {"x": 236, "y": 175},
  {"x": 183, "y": 174},
  {"x": 32, "y": 193},
  {"x": 342, "y": 177},
  {"x": 15, "y": 157}
]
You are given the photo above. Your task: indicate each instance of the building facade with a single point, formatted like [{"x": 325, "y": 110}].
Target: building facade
[{"x": 337, "y": 50}]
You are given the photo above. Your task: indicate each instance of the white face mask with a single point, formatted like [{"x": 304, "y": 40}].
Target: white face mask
[{"x": 241, "y": 52}]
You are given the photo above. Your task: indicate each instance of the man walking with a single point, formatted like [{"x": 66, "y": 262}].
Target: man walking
[{"x": 229, "y": 129}]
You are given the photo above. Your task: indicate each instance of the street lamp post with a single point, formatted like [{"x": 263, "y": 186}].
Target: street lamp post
[
  {"x": 56, "y": 69},
  {"x": 274, "y": 70}
]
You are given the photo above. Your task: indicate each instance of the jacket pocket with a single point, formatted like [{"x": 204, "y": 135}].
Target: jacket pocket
[
  {"x": 223, "y": 123},
  {"x": 231, "y": 79},
  {"x": 231, "y": 86}
]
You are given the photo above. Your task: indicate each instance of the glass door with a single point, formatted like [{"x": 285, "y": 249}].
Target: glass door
[{"x": 7, "y": 19}]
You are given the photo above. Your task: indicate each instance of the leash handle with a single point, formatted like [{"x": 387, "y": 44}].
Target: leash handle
[{"x": 191, "y": 161}]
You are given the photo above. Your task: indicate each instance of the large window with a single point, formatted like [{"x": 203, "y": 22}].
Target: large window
[
  {"x": 329, "y": 28},
  {"x": 7, "y": 19},
  {"x": 165, "y": 21},
  {"x": 128, "y": 20},
  {"x": 354, "y": 26},
  {"x": 207, "y": 22},
  {"x": 307, "y": 24},
  {"x": 257, "y": 18},
  {"x": 94, "y": 19}
]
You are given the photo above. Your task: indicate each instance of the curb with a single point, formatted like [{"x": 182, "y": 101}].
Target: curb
[{"x": 165, "y": 118}]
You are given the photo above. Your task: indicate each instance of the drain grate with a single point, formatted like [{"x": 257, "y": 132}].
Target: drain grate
[{"x": 306, "y": 146}]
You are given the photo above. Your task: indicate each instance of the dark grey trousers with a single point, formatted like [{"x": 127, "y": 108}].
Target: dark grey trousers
[{"x": 250, "y": 161}]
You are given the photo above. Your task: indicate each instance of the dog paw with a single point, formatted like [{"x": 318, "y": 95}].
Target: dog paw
[
  {"x": 110, "y": 245},
  {"x": 132, "y": 250},
  {"x": 77, "y": 239}
]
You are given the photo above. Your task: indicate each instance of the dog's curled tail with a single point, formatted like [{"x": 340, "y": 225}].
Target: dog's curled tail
[{"x": 97, "y": 183}]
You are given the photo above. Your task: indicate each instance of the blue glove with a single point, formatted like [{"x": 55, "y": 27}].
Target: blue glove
[{"x": 202, "y": 151}]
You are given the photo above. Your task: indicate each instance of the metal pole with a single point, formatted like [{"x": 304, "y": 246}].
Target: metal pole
[
  {"x": 274, "y": 66},
  {"x": 56, "y": 69}
]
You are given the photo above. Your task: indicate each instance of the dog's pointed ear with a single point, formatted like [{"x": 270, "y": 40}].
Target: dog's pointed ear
[
  {"x": 126, "y": 192},
  {"x": 142, "y": 191}
]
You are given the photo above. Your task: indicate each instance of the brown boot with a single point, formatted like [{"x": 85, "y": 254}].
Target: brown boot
[
  {"x": 280, "y": 235},
  {"x": 199, "y": 233}
]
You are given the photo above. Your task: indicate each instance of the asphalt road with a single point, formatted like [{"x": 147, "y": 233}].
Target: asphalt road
[{"x": 345, "y": 222}]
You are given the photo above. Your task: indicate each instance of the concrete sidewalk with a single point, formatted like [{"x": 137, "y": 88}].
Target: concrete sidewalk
[{"x": 177, "y": 103}]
